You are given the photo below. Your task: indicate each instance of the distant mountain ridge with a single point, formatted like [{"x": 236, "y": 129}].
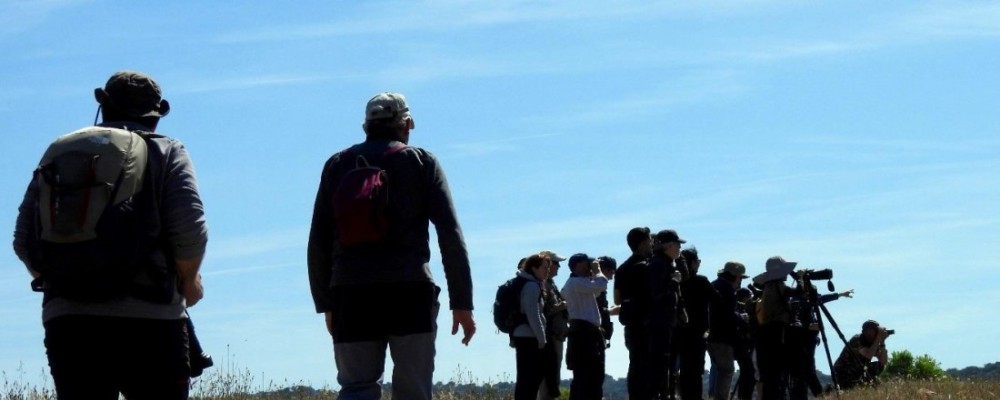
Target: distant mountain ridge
[{"x": 988, "y": 372}]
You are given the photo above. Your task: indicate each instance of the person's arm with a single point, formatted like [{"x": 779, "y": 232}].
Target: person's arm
[
  {"x": 24, "y": 228},
  {"x": 189, "y": 279},
  {"x": 532, "y": 308},
  {"x": 184, "y": 227},
  {"x": 322, "y": 239},
  {"x": 454, "y": 256},
  {"x": 872, "y": 351}
]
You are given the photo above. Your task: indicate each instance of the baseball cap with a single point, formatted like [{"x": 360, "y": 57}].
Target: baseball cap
[
  {"x": 576, "y": 258},
  {"x": 668, "y": 236},
  {"x": 133, "y": 94},
  {"x": 735, "y": 269},
  {"x": 387, "y": 106},
  {"x": 552, "y": 255}
]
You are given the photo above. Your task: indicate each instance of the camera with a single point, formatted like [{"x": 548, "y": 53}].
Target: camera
[
  {"x": 890, "y": 331},
  {"x": 816, "y": 275}
]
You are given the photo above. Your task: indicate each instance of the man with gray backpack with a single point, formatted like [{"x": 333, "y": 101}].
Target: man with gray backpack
[{"x": 113, "y": 230}]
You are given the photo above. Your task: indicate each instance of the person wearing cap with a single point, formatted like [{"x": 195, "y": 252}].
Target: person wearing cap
[
  {"x": 854, "y": 366},
  {"x": 664, "y": 314},
  {"x": 585, "y": 341},
  {"x": 352, "y": 283},
  {"x": 689, "y": 340},
  {"x": 137, "y": 343},
  {"x": 774, "y": 318},
  {"x": 631, "y": 296},
  {"x": 556, "y": 329},
  {"x": 725, "y": 322}
]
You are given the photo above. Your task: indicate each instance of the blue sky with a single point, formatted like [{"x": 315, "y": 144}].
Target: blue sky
[{"x": 849, "y": 135}]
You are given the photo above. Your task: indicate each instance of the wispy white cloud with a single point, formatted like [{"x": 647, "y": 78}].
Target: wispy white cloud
[
  {"x": 460, "y": 15},
  {"x": 249, "y": 82},
  {"x": 477, "y": 149},
  {"x": 256, "y": 243},
  {"x": 950, "y": 20},
  {"x": 20, "y": 15}
]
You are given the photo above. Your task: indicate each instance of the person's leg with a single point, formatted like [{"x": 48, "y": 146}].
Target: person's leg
[
  {"x": 722, "y": 359},
  {"x": 80, "y": 358},
  {"x": 529, "y": 368},
  {"x": 157, "y": 358},
  {"x": 360, "y": 367},
  {"x": 692, "y": 366},
  {"x": 747, "y": 373},
  {"x": 587, "y": 347},
  {"x": 413, "y": 365}
]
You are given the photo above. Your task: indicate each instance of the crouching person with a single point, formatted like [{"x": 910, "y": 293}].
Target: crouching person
[{"x": 585, "y": 342}]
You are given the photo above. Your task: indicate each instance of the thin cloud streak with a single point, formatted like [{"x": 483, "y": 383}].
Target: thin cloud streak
[
  {"x": 250, "y": 82},
  {"x": 257, "y": 243},
  {"x": 21, "y": 15},
  {"x": 449, "y": 16}
]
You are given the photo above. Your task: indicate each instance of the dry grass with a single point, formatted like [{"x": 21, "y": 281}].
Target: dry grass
[{"x": 232, "y": 384}]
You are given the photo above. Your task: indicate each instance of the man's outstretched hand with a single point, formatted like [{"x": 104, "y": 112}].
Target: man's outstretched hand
[{"x": 464, "y": 318}]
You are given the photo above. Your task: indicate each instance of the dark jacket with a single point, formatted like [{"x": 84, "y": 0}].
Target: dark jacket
[
  {"x": 724, "y": 314},
  {"x": 698, "y": 294},
  {"x": 418, "y": 195},
  {"x": 632, "y": 286},
  {"x": 663, "y": 292}
]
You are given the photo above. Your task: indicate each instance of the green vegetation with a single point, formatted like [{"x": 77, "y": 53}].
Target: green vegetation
[{"x": 903, "y": 365}]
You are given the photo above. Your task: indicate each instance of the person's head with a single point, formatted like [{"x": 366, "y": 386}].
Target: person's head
[
  {"x": 538, "y": 266},
  {"x": 668, "y": 243},
  {"x": 640, "y": 241},
  {"x": 554, "y": 264},
  {"x": 775, "y": 270},
  {"x": 869, "y": 330},
  {"x": 690, "y": 255},
  {"x": 387, "y": 117},
  {"x": 743, "y": 295},
  {"x": 734, "y": 272},
  {"x": 608, "y": 266},
  {"x": 131, "y": 96},
  {"x": 579, "y": 263},
  {"x": 520, "y": 264}
]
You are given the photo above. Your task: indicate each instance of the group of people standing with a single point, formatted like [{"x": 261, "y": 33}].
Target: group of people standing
[{"x": 672, "y": 317}]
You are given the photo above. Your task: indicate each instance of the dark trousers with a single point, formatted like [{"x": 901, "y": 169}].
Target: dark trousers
[
  {"x": 772, "y": 350},
  {"x": 659, "y": 362},
  {"x": 746, "y": 382},
  {"x": 585, "y": 357},
  {"x": 97, "y": 358},
  {"x": 637, "y": 343},
  {"x": 802, "y": 346},
  {"x": 529, "y": 368},
  {"x": 689, "y": 347}
]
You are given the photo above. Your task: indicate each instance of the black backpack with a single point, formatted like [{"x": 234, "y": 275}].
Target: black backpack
[
  {"x": 507, "y": 313},
  {"x": 94, "y": 224}
]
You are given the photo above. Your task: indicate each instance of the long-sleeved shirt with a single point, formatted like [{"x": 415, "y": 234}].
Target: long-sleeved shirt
[
  {"x": 183, "y": 230},
  {"x": 581, "y": 297},
  {"x": 531, "y": 306},
  {"x": 418, "y": 195}
]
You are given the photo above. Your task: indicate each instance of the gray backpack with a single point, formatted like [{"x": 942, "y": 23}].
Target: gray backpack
[{"x": 93, "y": 221}]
